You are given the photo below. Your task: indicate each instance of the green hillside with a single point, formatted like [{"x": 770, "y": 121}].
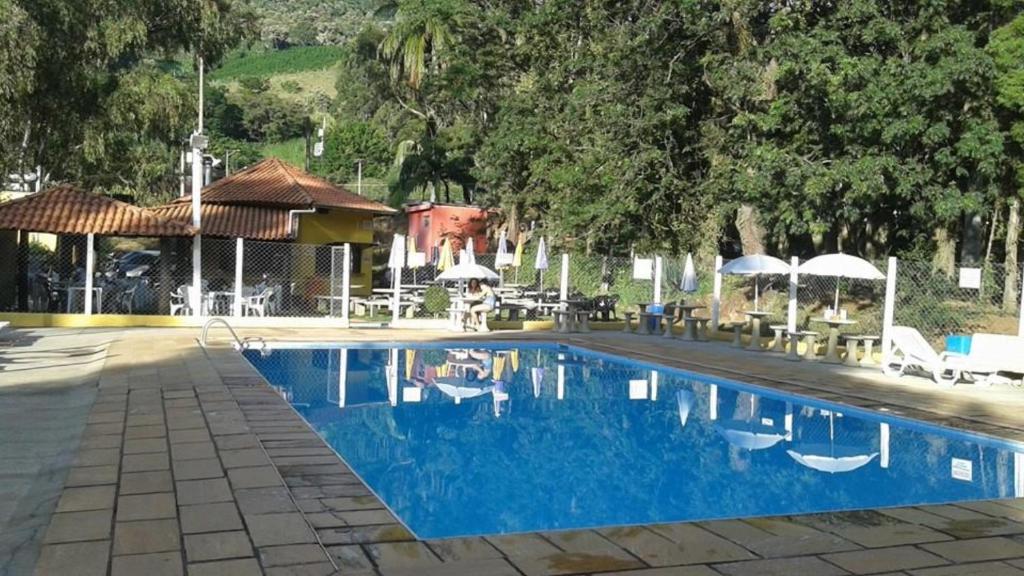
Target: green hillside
[{"x": 268, "y": 63}]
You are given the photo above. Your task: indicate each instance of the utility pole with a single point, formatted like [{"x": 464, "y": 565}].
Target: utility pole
[
  {"x": 359, "y": 176},
  {"x": 198, "y": 143}
]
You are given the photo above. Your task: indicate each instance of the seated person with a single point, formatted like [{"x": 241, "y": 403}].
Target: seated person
[{"x": 481, "y": 300}]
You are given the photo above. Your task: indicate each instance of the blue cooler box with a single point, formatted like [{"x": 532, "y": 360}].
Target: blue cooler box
[{"x": 958, "y": 344}]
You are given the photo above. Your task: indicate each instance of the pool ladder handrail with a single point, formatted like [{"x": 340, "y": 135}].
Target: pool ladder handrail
[{"x": 247, "y": 343}]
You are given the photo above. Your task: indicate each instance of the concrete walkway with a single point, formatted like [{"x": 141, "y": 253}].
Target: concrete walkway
[
  {"x": 48, "y": 381},
  {"x": 191, "y": 464}
]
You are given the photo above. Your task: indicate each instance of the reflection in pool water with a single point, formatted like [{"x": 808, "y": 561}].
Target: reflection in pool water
[{"x": 493, "y": 439}]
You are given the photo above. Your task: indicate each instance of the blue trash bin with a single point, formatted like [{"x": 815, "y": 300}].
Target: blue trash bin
[
  {"x": 958, "y": 343},
  {"x": 653, "y": 322}
]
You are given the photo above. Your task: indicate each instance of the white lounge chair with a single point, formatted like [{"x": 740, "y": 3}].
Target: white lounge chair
[{"x": 910, "y": 350}]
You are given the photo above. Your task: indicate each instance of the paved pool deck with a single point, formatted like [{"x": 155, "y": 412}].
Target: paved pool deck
[{"x": 190, "y": 464}]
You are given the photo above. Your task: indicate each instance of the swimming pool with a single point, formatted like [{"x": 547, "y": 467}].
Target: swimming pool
[{"x": 495, "y": 438}]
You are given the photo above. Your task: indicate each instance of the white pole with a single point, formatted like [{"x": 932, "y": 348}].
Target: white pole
[
  {"x": 794, "y": 283},
  {"x": 889, "y": 311},
  {"x": 1018, "y": 475},
  {"x": 563, "y": 293},
  {"x": 883, "y": 445},
  {"x": 236, "y": 308},
  {"x": 197, "y": 188},
  {"x": 90, "y": 267},
  {"x": 713, "y": 402},
  {"x": 1020, "y": 309},
  {"x": 395, "y": 307},
  {"x": 345, "y": 288},
  {"x": 657, "y": 279},
  {"x": 342, "y": 376},
  {"x": 560, "y": 385},
  {"x": 359, "y": 177},
  {"x": 716, "y": 295}
]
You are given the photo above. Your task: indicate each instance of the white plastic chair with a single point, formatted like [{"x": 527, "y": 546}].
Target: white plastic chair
[
  {"x": 179, "y": 301},
  {"x": 911, "y": 350},
  {"x": 258, "y": 303}
]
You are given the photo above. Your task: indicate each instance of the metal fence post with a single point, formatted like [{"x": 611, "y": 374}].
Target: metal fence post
[
  {"x": 395, "y": 300},
  {"x": 1020, "y": 309},
  {"x": 794, "y": 284},
  {"x": 716, "y": 296},
  {"x": 90, "y": 270},
  {"x": 889, "y": 310},
  {"x": 563, "y": 292},
  {"x": 657, "y": 279},
  {"x": 346, "y": 263},
  {"x": 236, "y": 307}
]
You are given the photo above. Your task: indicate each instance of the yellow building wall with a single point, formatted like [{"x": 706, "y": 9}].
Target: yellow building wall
[{"x": 338, "y": 226}]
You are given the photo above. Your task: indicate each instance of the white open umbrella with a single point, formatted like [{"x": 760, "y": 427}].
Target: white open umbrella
[
  {"x": 450, "y": 387},
  {"x": 541, "y": 261},
  {"x": 688, "y": 283},
  {"x": 755, "y": 265},
  {"x": 841, "y": 266},
  {"x": 828, "y": 457},
  {"x": 466, "y": 271}
]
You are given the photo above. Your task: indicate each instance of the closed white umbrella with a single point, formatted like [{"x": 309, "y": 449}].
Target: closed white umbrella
[
  {"x": 755, "y": 265},
  {"x": 464, "y": 271},
  {"x": 541, "y": 261},
  {"x": 841, "y": 266},
  {"x": 396, "y": 260},
  {"x": 688, "y": 283},
  {"x": 684, "y": 401},
  {"x": 537, "y": 377},
  {"x": 470, "y": 251},
  {"x": 502, "y": 258}
]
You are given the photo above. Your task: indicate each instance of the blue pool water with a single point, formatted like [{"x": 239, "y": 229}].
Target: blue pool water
[{"x": 493, "y": 439}]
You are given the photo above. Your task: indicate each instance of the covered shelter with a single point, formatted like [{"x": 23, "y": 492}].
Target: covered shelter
[
  {"x": 76, "y": 216},
  {"x": 273, "y": 201}
]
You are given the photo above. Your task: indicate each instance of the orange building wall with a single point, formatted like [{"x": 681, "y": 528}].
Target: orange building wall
[{"x": 430, "y": 226}]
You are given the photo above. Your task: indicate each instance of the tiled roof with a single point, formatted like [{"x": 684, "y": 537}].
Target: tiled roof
[
  {"x": 69, "y": 210},
  {"x": 233, "y": 221},
  {"x": 273, "y": 182}
]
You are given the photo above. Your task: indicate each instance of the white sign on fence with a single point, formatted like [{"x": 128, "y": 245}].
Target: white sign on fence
[
  {"x": 643, "y": 268},
  {"x": 970, "y": 278}
]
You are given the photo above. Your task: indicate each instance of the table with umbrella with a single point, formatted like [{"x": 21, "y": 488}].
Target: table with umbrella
[
  {"x": 461, "y": 273},
  {"x": 839, "y": 266},
  {"x": 754, "y": 265}
]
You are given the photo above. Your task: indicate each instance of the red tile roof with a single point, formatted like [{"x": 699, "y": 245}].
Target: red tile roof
[
  {"x": 273, "y": 182},
  {"x": 68, "y": 210},
  {"x": 233, "y": 221}
]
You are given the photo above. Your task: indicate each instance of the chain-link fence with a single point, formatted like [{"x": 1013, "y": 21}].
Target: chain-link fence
[{"x": 938, "y": 304}]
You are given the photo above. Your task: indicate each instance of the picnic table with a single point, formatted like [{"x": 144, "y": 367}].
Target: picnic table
[
  {"x": 755, "y": 327},
  {"x": 689, "y": 321},
  {"x": 834, "y": 324}
]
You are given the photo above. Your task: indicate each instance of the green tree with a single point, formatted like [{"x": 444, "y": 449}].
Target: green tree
[{"x": 349, "y": 141}]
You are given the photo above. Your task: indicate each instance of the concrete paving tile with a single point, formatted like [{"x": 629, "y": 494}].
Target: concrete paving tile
[
  {"x": 203, "y": 491},
  {"x": 278, "y": 529},
  {"x": 145, "y": 462},
  {"x": 79, "y": 558},
  {"x": 292, "y": 554},
  {"x": 669, "y": 571},
  {"x": 365, "y": 534},
  {"x": 264, "y": 500},
  {"x": 523, "y": 545},
  {"x": 319, "y": 569},
  {"x": 145, "y": 432},
  {"x": 240, "y": 567},
  {"x": 365, "y": 517},
  {"x": 398, "y": 555},
  {"x": 91, "y": 476},
  {"x": 237, "y": 441},
  {"x": 87, "y": 498},
  {"x": 98, "y": 457},
  {"x": 193, "y": 451},
  {"x": 980, "y": 569},
  {"x": 244, "y": 457},
  {"x": 978, "y": 549},
  {"x": 135, "y": 420},
  {"x": 350, "y": 558},
  {"x": 164, "y": 564},
  {"x": 259, "y": 477},
  {"x": 781, "y": 567},
  {"x": 145, "y": 445},
  {"x": 197, "y": 469},
  {"x": 455, "y": 549},
  {"x": 146, "y": 536},
  {"x": 102, "y": 429},
  {"x": 146, "y": 507},
  {"x": 778, "y": 539},
  {"x": 217, "y": 546},
  {"x": 146, "y": 482},
  {"x": 488, "y": 566},
  {"x": 79, "y": 526},
  {"x": 673, "y": 544},
  {"x": 190, "y": 435},
  {"x": 216, "y": 517},
  {"x": 352, "y": 503},
  {"x": 108, "y": 441},
  {"x": 572, "y": 563},
  {"x": 890, "y": 535},
  {"x": 884, "y": 559},
  {"x": 185, "y": 422}
]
